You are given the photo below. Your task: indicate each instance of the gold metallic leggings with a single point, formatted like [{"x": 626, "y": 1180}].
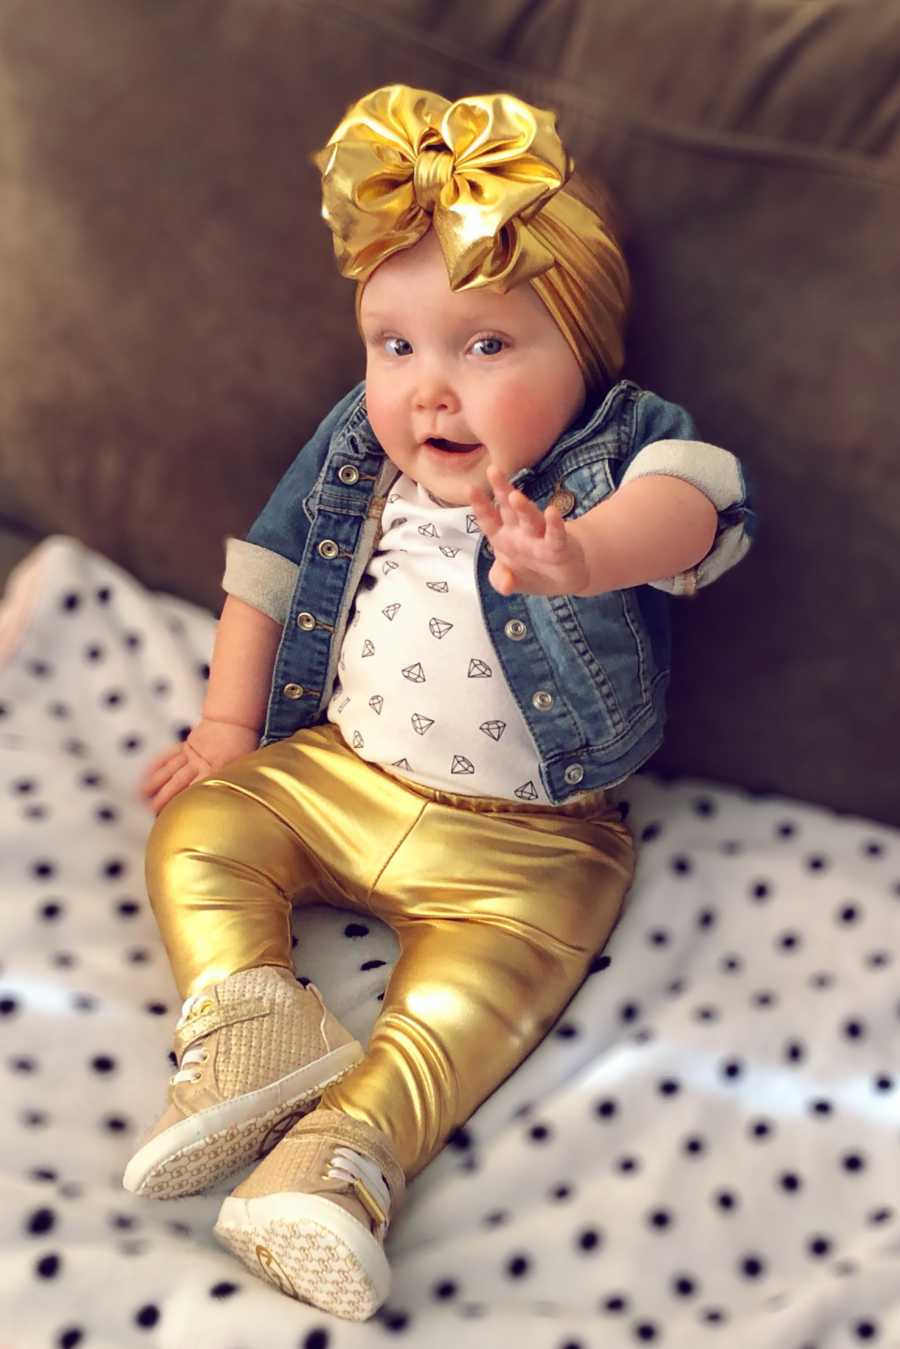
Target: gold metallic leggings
[{"x": 498, "y": 908}]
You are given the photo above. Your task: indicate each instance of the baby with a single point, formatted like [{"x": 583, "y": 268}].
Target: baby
[{"x": 449, "y": 630}]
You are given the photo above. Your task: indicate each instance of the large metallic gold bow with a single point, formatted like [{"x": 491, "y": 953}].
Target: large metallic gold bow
[{"x": 405, "y": 159}]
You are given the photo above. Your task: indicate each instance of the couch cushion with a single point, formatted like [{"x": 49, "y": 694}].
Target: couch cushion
[{"x": 174, "y": 326}]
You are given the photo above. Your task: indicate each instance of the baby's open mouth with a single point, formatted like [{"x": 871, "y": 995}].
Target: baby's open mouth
[{"x": 454, "y": 446}]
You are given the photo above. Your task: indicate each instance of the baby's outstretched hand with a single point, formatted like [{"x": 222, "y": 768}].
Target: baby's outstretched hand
[
  {"x": 210, "y": 746},
  {"x": 534, "y": 551}
]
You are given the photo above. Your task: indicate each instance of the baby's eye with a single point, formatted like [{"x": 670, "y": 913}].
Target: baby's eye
[
  {"x": 488, "y": 346},
  {"x": 397, "y": 346}
]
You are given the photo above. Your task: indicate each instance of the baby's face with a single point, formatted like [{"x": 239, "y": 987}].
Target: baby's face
[{"x": 457, "y": 381}]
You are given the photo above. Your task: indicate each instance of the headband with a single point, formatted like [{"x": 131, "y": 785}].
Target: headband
[{"x": 487, "y": 173}]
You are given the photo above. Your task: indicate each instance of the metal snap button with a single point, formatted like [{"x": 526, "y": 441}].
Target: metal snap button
[
  {"x": 574, "y": 773},
  {"x": 306, "y": 621},
  {"x": 542, "y": 700},
  {"x": 515, "y": 629},
  {"x": 563, "y": 500},
  {"x": 327, "y": 548},
  {"x": 293, "y": 691},
  {"x": 349, "y": 474}
]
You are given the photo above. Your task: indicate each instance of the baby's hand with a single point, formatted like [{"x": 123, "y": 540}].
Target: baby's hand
[
  {"x": 210, "y": 746},
  {"x": 534, "y": 551}
]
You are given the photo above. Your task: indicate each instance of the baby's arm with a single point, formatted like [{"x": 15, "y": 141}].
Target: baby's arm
[
  {"x": 648, "y": 529},
  {"x": 234, "y": 709}
]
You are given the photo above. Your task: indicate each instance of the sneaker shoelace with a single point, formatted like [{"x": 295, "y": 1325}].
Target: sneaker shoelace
[
  {"x": 367, "y": 1182},
  {"x": 187, "y": 1068}
]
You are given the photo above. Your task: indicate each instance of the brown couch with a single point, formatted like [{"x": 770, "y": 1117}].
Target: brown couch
[{"x": 172, "y": 326}]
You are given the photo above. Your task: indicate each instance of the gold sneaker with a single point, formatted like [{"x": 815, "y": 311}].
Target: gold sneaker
[
  {"x": 255, "y": 1052},
  {"x": 313, "y": 1216}
]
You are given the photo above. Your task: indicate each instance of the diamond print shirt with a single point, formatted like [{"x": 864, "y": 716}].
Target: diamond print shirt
[{"x": 419, "y": 690}]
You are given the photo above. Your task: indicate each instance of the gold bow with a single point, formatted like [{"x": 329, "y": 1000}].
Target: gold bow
[{"x": 478, "y": 169}]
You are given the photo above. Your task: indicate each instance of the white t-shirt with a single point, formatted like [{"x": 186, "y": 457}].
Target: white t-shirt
[{"x": 420, "y": 691}]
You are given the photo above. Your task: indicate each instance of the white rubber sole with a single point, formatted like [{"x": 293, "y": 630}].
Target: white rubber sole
[
  {"x": 310, "y": 1249},
  {"x": 202, "y": 1149}
]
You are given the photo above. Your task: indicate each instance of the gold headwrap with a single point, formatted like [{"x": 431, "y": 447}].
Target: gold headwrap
[{"x": 487, "y": 172}]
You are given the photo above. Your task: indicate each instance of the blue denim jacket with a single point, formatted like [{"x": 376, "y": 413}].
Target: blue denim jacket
[{"x": 604, "y": 660}]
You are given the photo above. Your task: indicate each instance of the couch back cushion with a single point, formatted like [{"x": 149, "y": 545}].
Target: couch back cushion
[{"x": 173, "y": 325}]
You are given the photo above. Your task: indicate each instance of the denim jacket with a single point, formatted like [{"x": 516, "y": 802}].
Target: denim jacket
[{"x": 604, "y": 660}]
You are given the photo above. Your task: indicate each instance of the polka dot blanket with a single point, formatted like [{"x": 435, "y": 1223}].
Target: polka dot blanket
[{"x": 705, "y": 1151}]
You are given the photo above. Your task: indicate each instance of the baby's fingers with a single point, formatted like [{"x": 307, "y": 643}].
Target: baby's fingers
[
  {"x": 176, "y": 783},
  {"x": 485, "y": 511},
  {"x": 161, "y": 769},
  {"x": 528, "y": 516}
]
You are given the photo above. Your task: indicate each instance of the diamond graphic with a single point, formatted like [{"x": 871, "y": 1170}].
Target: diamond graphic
[
  {"x": 440, "y": 586},
  {"x": 493, "y": 728},
  {"x": 376, "y": 702},
  {"x": 421, "y": 724},
  {"x": 414, "y": 673},
  {"x": 479, "y": 669},
  {"x": 437, "y": 628},
  {"x": 389, "y": 566},
  {"x": 395, "y": 496},
  {"x": 390, "y": 611},
  {"x": 368, "y": 648},
  {"x": 342, "y": 704},
  {"x": 400, "y": 520},
  {"x": 357, "y": 740},
  {"x": 461, "y": 764},
  {"x": 472, "y": 525},
  {"x": 430, "y": 530},
  {"x": 402, "y": 763},
  {"x": 526, "y": 792},
  {"x": 449, "y": 552}
]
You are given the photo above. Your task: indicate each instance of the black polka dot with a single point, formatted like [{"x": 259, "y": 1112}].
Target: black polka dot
[
  {"x": 684, "y": 1286},
  {"x": 224, "y": 1289},
  {"x": 147, "y": 1317},
  {"x": 866, "y": 1330},
  {"x": 517, "y": 1266},
  {"x": 356, "y": 930},
  {"x": 69, "y": 1338},
  {"x": 539, "y": 1133},
  {"x": 445, "y": 1289},
  {"x": 615, "y": 1303},
  {"x": 102, "y": 1063},
  {"x": 372, "y": 964},
  {"x": 48, "y": 1266},
  {"x": 316, "y": 1339},
  {"x": 818, "y": 1246},
  {"x": 395, "y": 1321},
  {"x": 39, "y": 1222}
]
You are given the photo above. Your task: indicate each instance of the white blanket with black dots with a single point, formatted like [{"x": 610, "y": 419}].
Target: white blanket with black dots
[{"x": 705, "y": 1151}]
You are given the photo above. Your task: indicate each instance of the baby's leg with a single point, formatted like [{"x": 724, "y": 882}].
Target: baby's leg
[
  {"x": 498, "y": 916},
  {"x": 226, "y": 861}
]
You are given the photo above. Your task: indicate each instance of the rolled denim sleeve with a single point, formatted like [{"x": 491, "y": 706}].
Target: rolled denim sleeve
[
  {"x": 262, "y": 569},
  {"x": 665, "y": 442}
]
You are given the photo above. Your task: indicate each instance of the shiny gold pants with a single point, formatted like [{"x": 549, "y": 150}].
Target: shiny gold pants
[{"x": 498, "y": 907}]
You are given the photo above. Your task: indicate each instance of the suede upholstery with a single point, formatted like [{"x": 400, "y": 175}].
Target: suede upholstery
[{"x": 173, "y": 326}]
